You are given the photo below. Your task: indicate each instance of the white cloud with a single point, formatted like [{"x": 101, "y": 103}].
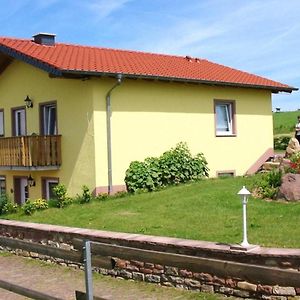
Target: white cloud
[{"x": 104, "y": 8}]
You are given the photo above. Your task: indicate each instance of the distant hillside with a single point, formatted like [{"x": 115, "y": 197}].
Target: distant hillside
[{"x": 284, "y": 122}]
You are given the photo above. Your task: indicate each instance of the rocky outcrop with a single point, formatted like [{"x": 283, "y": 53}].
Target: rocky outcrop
[
  {"x": 290, "y": 187},
  {"x": 293, "y": 147}
]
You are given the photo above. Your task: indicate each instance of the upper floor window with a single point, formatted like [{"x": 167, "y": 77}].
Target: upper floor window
[
  {"x": 225, "y": 118},
  {"x": 48, "y": 118},
  {"x": 1, "y": 122},
  {"x": 18, "y": 121}
]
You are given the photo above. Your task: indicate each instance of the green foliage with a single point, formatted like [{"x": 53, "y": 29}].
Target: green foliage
[
  {"x": 295, "y": 163},
  {"x": 86, "y": 195},
  {"x": 6, "y": 205},
  {"x": 31, "y": 206},
  {"x": 284, "y": 122},
  {"x": 267, "y": 186},
  {"x": 102, "y": 197},
  {"x": 28, "y": 208},
  {"x": 60, "y": 192},
  {"x": 172, "y": 167},
  {"x": 281, "y": 142}
]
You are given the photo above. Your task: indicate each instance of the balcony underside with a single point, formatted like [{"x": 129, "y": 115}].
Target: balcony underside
[{"x": 32, "y": 168}]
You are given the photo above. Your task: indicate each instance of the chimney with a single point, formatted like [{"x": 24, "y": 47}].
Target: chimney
[{"x": 47, "y": 39}]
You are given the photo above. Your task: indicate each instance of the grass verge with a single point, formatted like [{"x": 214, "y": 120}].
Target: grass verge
[{"x": 207, "y": 210}]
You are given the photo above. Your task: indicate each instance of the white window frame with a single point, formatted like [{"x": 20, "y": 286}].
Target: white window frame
[
  {"x": 19, "y": 121},
  {"x": 228, "y": 108},
  {"x": 48, "y": 110},
  {"x": 47, "y": 189}
]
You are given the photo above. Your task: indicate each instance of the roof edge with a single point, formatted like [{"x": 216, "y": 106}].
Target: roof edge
[
  {"x": 288, "y": 89},
  {"x": 30, "y": 60}
]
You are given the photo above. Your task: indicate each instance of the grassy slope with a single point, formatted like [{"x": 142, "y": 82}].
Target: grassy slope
[
  {"x": 207, "y": 210},
  {"x": 284, "y": 122}
]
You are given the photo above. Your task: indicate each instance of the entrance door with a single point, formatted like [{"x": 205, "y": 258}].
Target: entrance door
[
  {"x": 19, "y": 122},
  {"x": 20, "y": 190}
]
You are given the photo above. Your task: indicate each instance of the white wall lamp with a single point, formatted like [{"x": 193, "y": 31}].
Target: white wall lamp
[{"x": 28, "y": 102}]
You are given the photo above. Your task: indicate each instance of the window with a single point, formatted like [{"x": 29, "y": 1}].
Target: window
[
  {"x": 2, "y": 185},
  {"x": 18, "y": 121},
  {"x": 225, "y": 118},
  {"x": 48, "y": 119},
  {"x": 47, "y": 185},
  {"x": 225, "y": 174},
  {"x": 1, "y": 122}
]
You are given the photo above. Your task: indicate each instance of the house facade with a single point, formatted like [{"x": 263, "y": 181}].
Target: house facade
[{"x": 90, "y": 111}]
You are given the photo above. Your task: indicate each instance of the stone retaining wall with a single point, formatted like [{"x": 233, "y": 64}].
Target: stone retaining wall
[{"x": 62, "y": 237}]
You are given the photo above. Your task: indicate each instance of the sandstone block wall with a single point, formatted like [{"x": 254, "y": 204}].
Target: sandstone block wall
[{"x": 245, "y": 285}]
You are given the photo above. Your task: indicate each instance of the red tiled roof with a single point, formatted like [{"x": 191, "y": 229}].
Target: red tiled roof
[{"x": 64, "y": 58}]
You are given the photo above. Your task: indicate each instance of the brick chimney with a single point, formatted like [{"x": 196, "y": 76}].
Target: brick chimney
[{"x": 47, "y": 39}]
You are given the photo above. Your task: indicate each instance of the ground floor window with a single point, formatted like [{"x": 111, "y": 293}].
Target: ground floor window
[
  {"x": 47, "y": 187},
  {"x": 225, "y": 173},
  {"x": 2, "y": 185}
]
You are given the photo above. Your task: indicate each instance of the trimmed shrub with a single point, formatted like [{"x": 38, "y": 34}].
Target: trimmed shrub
[
  {"x": 172, "y": 167},
  {"x": 86, "y": 195},
  {"x": 60, "y": 192},
  {"x": 281, "y": 142}
]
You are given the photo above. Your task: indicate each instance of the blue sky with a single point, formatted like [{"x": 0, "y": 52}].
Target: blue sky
[{"x": 261, "y": 37}]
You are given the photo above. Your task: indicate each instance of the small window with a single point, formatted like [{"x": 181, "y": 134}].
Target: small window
[
  {"x": 48, "y": 119},
  {"x": 225, "y": 115},
  {"x": 48, "y": 184},
  {"x": 225, "y": 174},
  {"x": 1, "y": 122},
  {"x": 2, "y": 185}
]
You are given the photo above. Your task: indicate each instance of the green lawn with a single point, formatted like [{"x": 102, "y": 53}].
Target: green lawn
[
  {"x": 284, "y": 122},
  {"x": 207, "y": 210}
]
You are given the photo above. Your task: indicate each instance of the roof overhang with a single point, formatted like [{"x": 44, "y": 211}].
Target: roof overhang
[
  {"x": 5, "y": 60},
  {"x": 84, "y": 74},
  {"x": 32, "y": 61}
]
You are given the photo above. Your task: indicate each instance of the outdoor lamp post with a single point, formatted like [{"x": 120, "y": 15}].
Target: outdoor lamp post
[{"x": 244, "y": 194}]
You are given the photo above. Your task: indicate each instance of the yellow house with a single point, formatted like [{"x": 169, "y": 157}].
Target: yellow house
[{"x": 79, "y": 115}]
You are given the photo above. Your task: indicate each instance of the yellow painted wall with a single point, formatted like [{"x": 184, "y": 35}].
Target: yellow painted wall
[
  {"x": 75, "y": 122},
  {"x": 149, "y": 118}
]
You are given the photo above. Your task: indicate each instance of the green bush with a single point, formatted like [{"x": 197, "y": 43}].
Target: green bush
[
  {"x": 60, "y": 192},
  {"x": 268, "y": 184},
  {"x": 28, "y": 208},
  {"x": 86, "y": 195},
  {"x": 31, "y": 206},
  {"x": 6, "y": 205},
  {"x": 281, "y": 142},
  {"x": 172, "y": 167}
]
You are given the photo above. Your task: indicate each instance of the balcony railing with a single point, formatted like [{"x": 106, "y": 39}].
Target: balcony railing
[{"x": 30, "y": 151}]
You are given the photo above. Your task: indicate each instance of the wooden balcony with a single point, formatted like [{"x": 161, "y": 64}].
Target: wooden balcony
[{"x": 30, "y": 152}]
